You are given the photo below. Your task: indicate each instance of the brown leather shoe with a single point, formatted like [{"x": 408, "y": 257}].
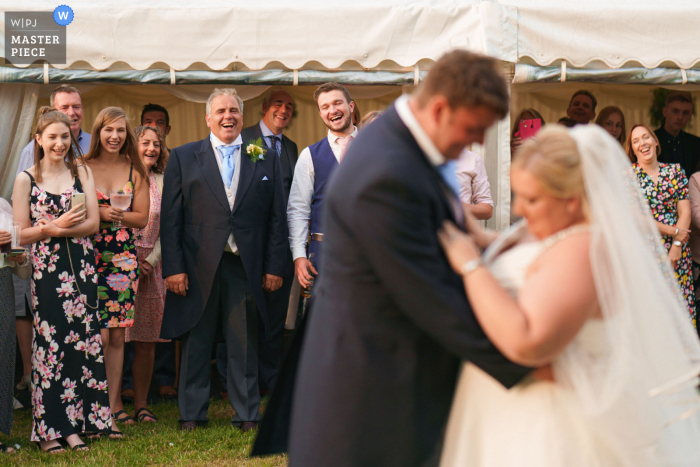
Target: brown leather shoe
[
  {"x": 188, "y": 426},
  {"x": 247, "y": 426}
]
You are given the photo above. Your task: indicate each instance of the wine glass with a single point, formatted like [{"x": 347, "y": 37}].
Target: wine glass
[{"x": 119, "y": 200}]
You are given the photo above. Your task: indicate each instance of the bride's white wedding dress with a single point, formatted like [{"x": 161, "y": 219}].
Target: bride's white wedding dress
[{"x": 536, "y": 423}]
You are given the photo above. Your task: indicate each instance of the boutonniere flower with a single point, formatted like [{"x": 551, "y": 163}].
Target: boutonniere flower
[{"x": 255, "y": 150}]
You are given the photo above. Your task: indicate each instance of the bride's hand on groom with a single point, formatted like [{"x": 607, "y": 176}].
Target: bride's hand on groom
[
  {"x": 482, "y": 237},
  {"x": 459, "y": 247}
]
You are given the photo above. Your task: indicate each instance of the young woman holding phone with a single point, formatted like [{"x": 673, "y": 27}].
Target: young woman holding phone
[{"x": 69, "y": 383}]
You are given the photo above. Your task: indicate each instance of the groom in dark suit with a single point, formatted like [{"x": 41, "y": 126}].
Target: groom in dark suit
[
  {"x": 224, "y": 240},
  {"x": 277, "y": 108},
  {"x": 391, "y": 324}
]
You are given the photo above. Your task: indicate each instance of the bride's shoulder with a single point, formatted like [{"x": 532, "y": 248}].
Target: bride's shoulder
[{"x": 571, "y": 252}]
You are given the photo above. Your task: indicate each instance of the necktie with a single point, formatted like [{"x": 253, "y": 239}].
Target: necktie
[
  {"x": 276, "y": 141},
  {"x": 227, "y": 165},
  {"x": 449, "y": 175},
  {"x": 343, "y": 143}
]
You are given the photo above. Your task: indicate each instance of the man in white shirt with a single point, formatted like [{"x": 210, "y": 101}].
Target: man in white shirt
[
  {"x": 313, "y": 170},
  {"x": 474, "y": 188},
  {"x": 224, "y": 238}
]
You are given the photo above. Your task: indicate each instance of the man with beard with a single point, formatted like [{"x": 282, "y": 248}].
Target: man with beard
[
  {"x": 314, "y": 168},
  {"x": 582, "y": 107},
  {"x": 677, "y": 146}
]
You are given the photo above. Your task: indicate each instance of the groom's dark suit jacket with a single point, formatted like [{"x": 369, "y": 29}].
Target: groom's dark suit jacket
[
  {"x": 196, "y": 221},
  {"x": 390, "y": 323}
]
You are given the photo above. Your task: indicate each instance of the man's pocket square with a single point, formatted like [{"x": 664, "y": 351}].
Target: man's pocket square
[{"x": 264, "y": 178}]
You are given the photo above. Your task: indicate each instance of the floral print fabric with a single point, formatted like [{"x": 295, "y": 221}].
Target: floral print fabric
[
  {"x": 150, "y": 299},
  {"x": 118, "y": 270},
  {"x": 663, "y": 196},
  {"x": 69, "y": 382}
]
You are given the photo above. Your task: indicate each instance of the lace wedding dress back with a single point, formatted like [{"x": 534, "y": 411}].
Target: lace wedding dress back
[{"x": 536, "y": 423}]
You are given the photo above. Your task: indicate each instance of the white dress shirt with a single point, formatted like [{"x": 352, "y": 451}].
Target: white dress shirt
[
  {"x": 230, "y": 192},
  {"x": 301, "y": 194},
  {"x": 474, "y": 185}
]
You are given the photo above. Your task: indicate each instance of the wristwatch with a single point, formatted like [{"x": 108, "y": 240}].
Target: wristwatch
[
  {"x": 470, "y": 266},
  {"x": 677, "y": 243}
]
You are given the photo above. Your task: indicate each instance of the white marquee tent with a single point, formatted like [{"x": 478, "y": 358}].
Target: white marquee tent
[{"x": 177, "y": 51}]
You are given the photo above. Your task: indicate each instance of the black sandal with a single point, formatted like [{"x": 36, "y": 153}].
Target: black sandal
[
  {"x": 125, "y": 419},
  {"x": 113, "y": 434},
  {"x": 54, "y": 450},
  {"x": 5, "y": 448},
  {"x": 82, "y": 447},
  {"x": 141, "y": 416}
]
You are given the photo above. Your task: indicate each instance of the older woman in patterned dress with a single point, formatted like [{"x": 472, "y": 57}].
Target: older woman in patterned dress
[
  {"x": 666, "y": 188},
  {"x": 150, "y": 298}
]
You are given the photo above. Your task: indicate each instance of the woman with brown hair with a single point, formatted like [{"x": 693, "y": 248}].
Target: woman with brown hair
[
  {"x": 150, "y": 299},
  {"x": 119, "y": 172},
  {"x": 666, "y": 189},
  {"x": 525, "y": 114},
  {"x": 613, "y": 120},
  {"x": 56, "y": 204}
]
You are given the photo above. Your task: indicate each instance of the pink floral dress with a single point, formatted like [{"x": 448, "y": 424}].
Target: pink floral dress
[
  {"x": 69, "y": 382},
  {"x": 150, "y": 299},
  {"x": 117, "y": 270}
]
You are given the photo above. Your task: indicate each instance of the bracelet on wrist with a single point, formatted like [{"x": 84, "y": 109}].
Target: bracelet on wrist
[{"x": 470, "y": 266}]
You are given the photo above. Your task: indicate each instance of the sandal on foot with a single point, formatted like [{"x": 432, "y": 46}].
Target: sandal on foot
[
  {"x": 113, "y": 434},
  {"x": 54, "y": 450},
  {"x": 24, "y": 383},
  {"x": 145, "y": 415},
  {"x": 126, "y": 419},
  {"x": 5, "y": 448},
  {"x": 82, "y": 447}
]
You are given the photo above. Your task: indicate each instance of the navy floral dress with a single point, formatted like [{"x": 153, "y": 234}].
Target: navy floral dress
[
  {"x": 69, "y": 382},
  {"x": 663, "y": 197}
]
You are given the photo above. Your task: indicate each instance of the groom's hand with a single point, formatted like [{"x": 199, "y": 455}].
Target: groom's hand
[
  {"x": 270, "y": 282},
  {"x": 177, "y": 283},
  {"x": 303, "y": 270}
]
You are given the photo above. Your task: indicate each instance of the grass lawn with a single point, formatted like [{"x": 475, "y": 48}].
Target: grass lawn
[{"x": 159, "y": 443}]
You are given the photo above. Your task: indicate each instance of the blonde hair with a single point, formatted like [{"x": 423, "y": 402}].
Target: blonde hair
[{"x": 553, "y": 158}]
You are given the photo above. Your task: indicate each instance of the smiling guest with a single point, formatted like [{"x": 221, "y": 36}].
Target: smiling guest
[
  {"x": 666, "y": 189},
  {"x": 277, "y": 108},
  {"x": 582, "y": 107},
  {"x": 315, "y": 166},
  {"x": 223, "y": 236},
  {"x": 117, "y": 167},
  {"x": 150, "y": 298}
]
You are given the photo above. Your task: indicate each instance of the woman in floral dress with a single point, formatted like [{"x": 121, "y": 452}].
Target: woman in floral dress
[
  {"x": 116, "y": 166},
  {"x": 69, "y": 384},
  {"x": 150, "y": 299},
  {"x": 666, "y": 188}
]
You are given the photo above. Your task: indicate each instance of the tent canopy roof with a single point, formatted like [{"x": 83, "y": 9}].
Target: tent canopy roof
[
  {"x": 218, "y": 35},
  {"x": 391, "y": 35}
]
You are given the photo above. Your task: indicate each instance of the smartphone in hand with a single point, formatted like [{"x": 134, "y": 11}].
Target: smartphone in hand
[{"x": 77, "y": 199}]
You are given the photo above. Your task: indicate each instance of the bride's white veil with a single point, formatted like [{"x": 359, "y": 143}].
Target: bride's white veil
[{"x": 639, "y": 386}]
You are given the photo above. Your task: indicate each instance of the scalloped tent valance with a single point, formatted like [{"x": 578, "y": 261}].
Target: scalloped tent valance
[
  {"x": 608, "y": 33},
  {"x": 266, "y": 33}
]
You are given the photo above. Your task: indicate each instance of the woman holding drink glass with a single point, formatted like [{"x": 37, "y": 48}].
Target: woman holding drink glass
[
  {"x": 55, "y": 202},
  {"x": 121, "y": 184}
]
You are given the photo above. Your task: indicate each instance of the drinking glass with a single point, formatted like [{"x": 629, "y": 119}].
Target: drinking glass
[
  {"x": 16, "y": 235},
  {"x": 6, "y": 225},
  {"x": 119, "y": 200}
]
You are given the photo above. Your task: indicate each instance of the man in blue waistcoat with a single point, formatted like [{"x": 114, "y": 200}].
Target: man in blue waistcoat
[{"x": 314, "y": 168}]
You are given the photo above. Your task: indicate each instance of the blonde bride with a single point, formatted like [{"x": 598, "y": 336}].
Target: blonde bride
[{"x": 582, "y": 289}]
